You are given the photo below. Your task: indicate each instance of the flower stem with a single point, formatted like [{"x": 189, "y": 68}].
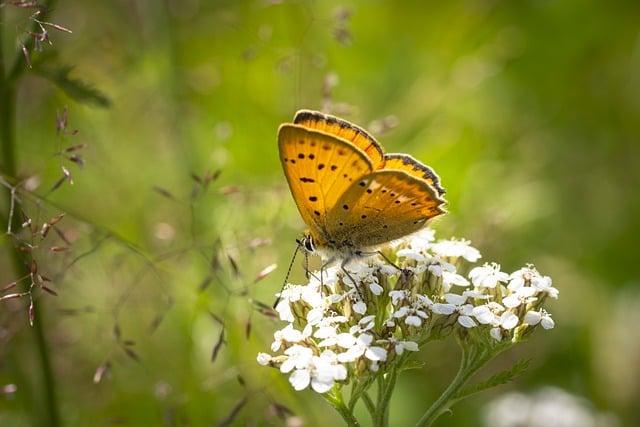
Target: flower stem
[
  {"x": 385, "y": 390},
  {"x": 334, "y": 397},
  {"x": 470, "y": 362},
  {"x": 371, "y": 407}
]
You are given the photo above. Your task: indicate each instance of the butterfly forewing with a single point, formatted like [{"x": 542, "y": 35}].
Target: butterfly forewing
[
  {"x": 319, "y": 168},
  {"x": 343, "y": 130},
  {"x": 382, "y": 206}
]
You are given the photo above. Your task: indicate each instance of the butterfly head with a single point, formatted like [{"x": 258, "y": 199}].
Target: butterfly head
[{"x": 307, "y": 243}]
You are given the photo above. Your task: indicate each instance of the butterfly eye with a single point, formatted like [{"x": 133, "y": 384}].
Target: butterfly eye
[{"x": 308, "y": 244}]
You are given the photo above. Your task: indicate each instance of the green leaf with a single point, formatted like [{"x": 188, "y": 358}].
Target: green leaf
[
  {"x": 500, "y": 378},
  {"x": 412, "y": 364},
  {"x": 76, "y": 89}
]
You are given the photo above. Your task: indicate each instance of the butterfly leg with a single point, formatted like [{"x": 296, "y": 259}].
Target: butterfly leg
[
  {"x": 355, "y": 284},
  {"x": 322, "y": 268},
  {"x": 391, "y": 263}
]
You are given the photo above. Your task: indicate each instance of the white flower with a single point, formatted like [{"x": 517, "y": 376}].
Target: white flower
[
  {"x": 438, "y": 308},
  {"x": 476, "y": 293},
  {"x": 413, "y": 315},
  {"x": 397, "y": 296},
  {"x": 360, "y": 307},
  {"x": 485, "y": 314},
  {"x": 375, "y": 288},
  {"x": 264, "y": 359},
  {"x": 319, "y": 371},
  {"x": 327, "y": 277},
  {"x": 299, "y": 358},
  {"x": 401, "y": 346},
  {"x": 455, "y": 299},
  {"x": 315, "y": 315},
  {"x": 411, "y": 253},
  {"x": 401, "y": 312},
  {"x": 466, "y": 320},
  {"x": 455, "y": 249},
  {"x": 327, "y": 334},
  {"x": 487, "y": 276},
  {"x": 464, "y": 310},
  {"x": 421, "y": 240},
  {"x": 362, "y": 347},
  {"x": 284, "y": 310},
  {"x": 532, "y": 318},
  {"x": 388, "y": 269},
  {"x": 453, "y": 279},
  {"x": 496, "y": 334},
  {"x": 544, "y": 284},
  {"x": 547, "y": 322},
  {"x": 490, "y": 314},
  {"x": 413, "y": 321},
  {"x": 361, "y": 271},
  {"x": 345, "y": 340},
  {"x": 445, "y": 309},
  {"x": 300, "y": 379},
  {"x": 529, "y": 275},
  {"x": 325, "y": 371},
  {"x": 289, "y": 334},
  {"x": 523, "y": 295},
  {"x": 438, "y": 266},
  {"x": 367, "y": 322},
  {"x": 508, "y": 320}
]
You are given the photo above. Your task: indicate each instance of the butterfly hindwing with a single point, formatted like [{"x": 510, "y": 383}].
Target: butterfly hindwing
[
  {"x": 344, "y": 130},
  {"x": 319, "y": 168},
  {"x": 382, "y": 206},
  {"x": 413, "y": 167}
]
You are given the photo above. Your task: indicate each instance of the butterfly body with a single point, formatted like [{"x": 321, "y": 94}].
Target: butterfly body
[{"x": 351, "y": 195}]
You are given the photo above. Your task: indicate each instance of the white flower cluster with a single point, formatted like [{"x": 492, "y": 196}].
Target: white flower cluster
[
  {"x": 546, "y": 407},
  {"x": 353, "y": 322}
]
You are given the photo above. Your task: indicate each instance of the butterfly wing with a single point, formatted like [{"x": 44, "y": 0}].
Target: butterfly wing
[
  {"x": 383, "y": 206},
  {"x": 319, "y": 168},
  {"x": 413, "y": 167},
  {"x": 343, "y": 130}
]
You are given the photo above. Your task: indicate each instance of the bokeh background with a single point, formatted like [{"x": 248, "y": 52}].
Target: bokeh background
[{"x": 529, "y": 111}]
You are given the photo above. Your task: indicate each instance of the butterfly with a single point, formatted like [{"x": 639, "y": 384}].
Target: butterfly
[{"x": 352, "y": 195}]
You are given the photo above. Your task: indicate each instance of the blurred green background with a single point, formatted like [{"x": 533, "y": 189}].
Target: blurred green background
[{"x": 529, "y": 111}]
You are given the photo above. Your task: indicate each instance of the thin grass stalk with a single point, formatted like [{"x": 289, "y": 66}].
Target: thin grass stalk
[{"x": 8, "y": 100}]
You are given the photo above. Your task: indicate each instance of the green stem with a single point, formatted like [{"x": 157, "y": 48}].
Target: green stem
[
  {"x": 469, "y": 364},
  {"x": 334, "y": 397},
  {"x": 384, "y": 397},
  {"x": 371, "y": 407},
  {"x": 8, "y": 165}
]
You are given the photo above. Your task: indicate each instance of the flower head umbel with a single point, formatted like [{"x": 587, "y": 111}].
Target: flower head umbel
[{"x": 351, "y": 326}]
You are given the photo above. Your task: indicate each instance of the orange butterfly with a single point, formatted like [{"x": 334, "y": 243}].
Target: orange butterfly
[{"x": 350, "y": 194}]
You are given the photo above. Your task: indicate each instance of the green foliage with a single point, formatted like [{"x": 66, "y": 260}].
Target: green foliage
[
  {"x": 75, "y": 88},
  {"x": 528, "y": 111},
  {"x": 503, "y": 377}
]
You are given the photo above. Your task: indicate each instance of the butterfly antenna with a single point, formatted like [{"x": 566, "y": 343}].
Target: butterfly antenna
[
  {"x": 286, "y": 278},
  {"x": 306, "y": 264}
]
